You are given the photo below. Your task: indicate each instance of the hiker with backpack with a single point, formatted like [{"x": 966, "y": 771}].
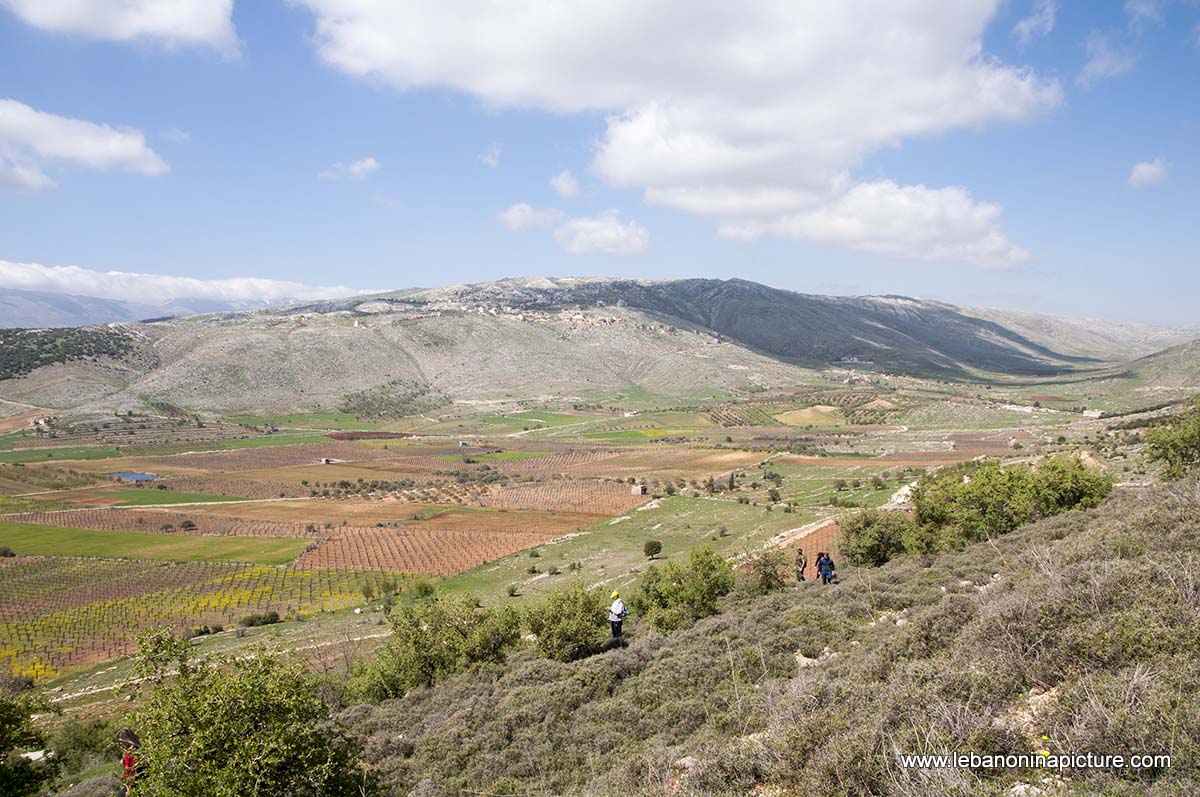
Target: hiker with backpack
[
  {"x": 825, "y": 567},
  {"x": 617, "y": 614}
]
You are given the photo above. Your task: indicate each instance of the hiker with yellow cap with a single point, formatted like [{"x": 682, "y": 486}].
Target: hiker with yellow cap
[{"x": 616, "y": 613}]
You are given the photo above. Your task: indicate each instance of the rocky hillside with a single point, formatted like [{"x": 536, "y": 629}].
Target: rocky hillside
[{"x": 549, "y": 339}]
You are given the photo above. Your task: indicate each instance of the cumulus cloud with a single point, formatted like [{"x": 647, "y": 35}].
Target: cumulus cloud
[
  {"x": 604, "y": 234},
  {"x": 521, "y": 217},
  {"x": 170, "y": 23},
  {"x": 1105, "y": 59},
  {"x": 357, "y": 170},
  {"x": 155, "y": 288},
  {"x": 911, "y": 222},
  {"x": 492, "y": 156},
  {"x": 742, "y": 111},
  {"x": 1148, "y": 173},
  {"x": 1040, "y": 21},
  {"x": 31, "y": 139},
  {"x": 565, "y": 183}
]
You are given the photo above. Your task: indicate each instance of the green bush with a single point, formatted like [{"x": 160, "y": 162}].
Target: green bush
[
  {"x": 84, "y": 744},
  {"x": 765, "y": 572},
  {"x": 966, "y": 505},
  {"x": 873, "y": 537},
  {"x": 570, "y": 623},
  {"x": 432, "y": 639},
  {"x": 253, "y": 725},
  {"x": 261, "y": 618},
  {"x": 675, "y": 596},
  {"x": 1177, "y": 444},
  {"x": 652, "y": 548},
  {"x": 20, "y": 776}
]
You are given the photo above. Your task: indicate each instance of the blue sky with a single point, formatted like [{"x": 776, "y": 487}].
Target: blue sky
[{"x": 824, "y": 147}]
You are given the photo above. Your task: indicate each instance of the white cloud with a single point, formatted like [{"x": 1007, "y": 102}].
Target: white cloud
[
  {"x": 492, "y": 156},
  {"x": 357, "y": 170},
  {"x": 911, "y": 222},
  {"x": 1148, "y": 173},
  {"x": 1142, "y": 11},
  {"x": 604, "y": 234},
  {"x": 1104, "y": 59},
  {"x": 30, "y": 139},
  {"x": 176, "y": 136},
  {"x": 153, "y": 288},
  {"x": 167, "y": 22},
  {"x": 1040, "y": 21},
  {"x": 522, "y": 217},
  {"x": 745, "y": 110},
  {"x": 565, "y": 183}
]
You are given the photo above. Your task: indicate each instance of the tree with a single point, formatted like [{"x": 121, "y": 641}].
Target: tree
[
  {"x": 1177, "y": 444},
  {"x": 732, "y": 483},
  {"x": 675, "y": 596},
  {"x": 873, "y": 537},
  {"x": 773, "y": 495},
  {"x": 368, "y": 591},
  {"x": 18, "y": 775},
  {"x": 652, "y": 548},
  {"x": 237, "y": 727},
  {"x": 434, "y": 638},
  {"x": 570, "y": 623},
  {"x": 839, "y": 485}
]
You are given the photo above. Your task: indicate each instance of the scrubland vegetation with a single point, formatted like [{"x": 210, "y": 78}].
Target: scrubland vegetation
[{"x": 1073, "y": 633}]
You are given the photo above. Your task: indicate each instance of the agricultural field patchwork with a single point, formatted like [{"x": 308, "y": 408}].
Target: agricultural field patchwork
[{"x": 307, "y": 522}]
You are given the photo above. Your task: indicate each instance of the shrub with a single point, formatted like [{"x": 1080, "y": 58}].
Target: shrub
[
  {"x": 570, "y": 623},
  {"x": 1176, "y": 444},
  {"x": 873, "y": 537},
  {"x": 423, "y": 589},
  {"x": 433, "y": 639},
  {"x": 253, "y": 725},
  {"x": 968, "y": 505},
  {"x": 764, "y": 572},
  {"x": 84, "y": 744},
  {"x": 6, "y": 552},
  {"x": 675, "y": 596},
  {"x": 20, "y": 776},
  {"x": 261, "y": 618},
  {"x": 652, "y": 548}
]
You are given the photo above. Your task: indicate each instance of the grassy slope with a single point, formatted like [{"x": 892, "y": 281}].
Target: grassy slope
[
  {"x": 37, "y": 540},
  {"x": 1092, "y": 609}
]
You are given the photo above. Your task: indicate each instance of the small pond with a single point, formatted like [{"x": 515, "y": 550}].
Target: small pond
[{"x": 134, "y": 476}]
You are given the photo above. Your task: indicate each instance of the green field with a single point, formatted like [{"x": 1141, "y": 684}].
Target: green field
[
  {"x": 497, "y": 456},
  {"x": 339, "y": 421},
  {"x": 49, "y": 454},
  {"x": 535, "y": 419},
  {"x": 36, "y": 540},
  {"x": 108, "y": 452}
]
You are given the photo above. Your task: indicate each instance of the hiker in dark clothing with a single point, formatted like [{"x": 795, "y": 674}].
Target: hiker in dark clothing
[
  {"x": 825, "y": 567},
  {"x": 801, "y": 564}
]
